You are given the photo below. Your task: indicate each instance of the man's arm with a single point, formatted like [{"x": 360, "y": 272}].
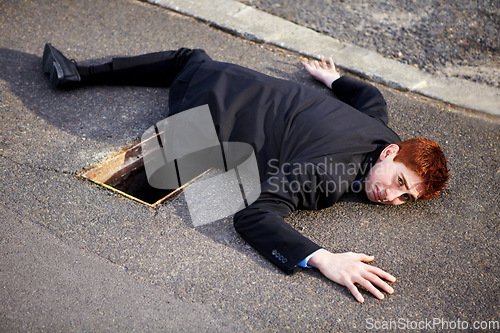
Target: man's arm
[
  {"x": 262, "y": 225},
  {"x": 356, "y": 93}
]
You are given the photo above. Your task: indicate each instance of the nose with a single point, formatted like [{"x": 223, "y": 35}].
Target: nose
[{"x": 392, "y": 193}]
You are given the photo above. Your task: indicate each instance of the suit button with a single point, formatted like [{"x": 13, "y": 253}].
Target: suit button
[
  {"x": 285, "y": 260},
  {"x": 274, "y": 252}
]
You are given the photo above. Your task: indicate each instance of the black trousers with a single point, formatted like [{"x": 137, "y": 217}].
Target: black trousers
[{"x": 157, "y": 69}]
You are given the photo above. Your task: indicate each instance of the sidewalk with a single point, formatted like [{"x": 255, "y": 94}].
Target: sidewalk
[
  {"x": 53, "y": 280},
  {"x": 76, "y": 257},
  {"x": 252, "y": 24}
]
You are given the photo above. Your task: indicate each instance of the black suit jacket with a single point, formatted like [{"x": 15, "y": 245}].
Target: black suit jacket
[{"x": 309, "y": 146}]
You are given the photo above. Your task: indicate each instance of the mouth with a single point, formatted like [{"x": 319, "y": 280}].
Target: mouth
[{"x": 377, "y": 194}]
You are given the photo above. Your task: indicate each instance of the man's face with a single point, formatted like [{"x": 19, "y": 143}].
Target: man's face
[{"x": 390, "y": 182}]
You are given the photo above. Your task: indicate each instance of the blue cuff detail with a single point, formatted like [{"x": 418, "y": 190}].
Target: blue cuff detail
[{"x": 303, "y": 263}]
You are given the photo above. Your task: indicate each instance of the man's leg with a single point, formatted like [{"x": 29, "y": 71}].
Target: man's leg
[{"x": 154, "y": 69}]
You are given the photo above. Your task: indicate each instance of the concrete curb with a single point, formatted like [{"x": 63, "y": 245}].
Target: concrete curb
[{"x": 256, "y": 25}]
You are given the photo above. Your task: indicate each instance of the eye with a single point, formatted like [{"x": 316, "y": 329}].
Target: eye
[
  {"x": 405, "y": 197},
  {"x": 400, "y": 181}
]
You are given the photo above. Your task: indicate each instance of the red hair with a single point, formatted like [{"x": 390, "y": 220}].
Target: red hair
[{"x": 426, "y": 159}]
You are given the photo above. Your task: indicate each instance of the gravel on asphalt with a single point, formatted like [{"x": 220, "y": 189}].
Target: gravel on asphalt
[{"x": 447, "y": 38}]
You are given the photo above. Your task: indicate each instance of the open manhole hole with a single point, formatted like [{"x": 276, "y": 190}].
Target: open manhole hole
[
  {"x": 125, "y": 174},
  {"x": 183, "y": 152}
]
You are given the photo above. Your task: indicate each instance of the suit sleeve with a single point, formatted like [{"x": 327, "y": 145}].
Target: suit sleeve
[
  {"x": 262, "y": 223},
  {"x": 361, "y": 96}
]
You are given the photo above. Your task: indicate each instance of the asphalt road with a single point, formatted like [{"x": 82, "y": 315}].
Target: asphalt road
[{"x": 75, "y": 257}]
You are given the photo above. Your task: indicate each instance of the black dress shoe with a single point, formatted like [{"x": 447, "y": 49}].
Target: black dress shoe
[{"x": 62, "y": 71}]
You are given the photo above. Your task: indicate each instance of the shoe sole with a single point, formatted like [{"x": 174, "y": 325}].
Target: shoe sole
[
  {"x": 48, "y": 59},
  {"x": 56, "y": 74},
  {"x": 50, "y": 66}
]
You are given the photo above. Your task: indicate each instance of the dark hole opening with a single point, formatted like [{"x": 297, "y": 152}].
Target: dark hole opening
[
  {"x": 126, "y": 174},
  {"x": 135, "y": 183}
]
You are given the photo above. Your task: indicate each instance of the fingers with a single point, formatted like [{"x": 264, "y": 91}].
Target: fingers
[
  {"x": 355, "y": 292},
  {"x": 369, "y": 286},
  {"x": 365, "y": 258},
  {"x": 324, "y": 65},
  {"x": 349, "y": 269},
  {"x": 310, "y": 67},
  {"x": 372, "y": 276},
  {"x": 369, "y": 277},
  {"x": 320, "y": 65},
  {"x": 361, "y": 256},
  {"x": 382, "y": 274},
  {"x": 375, "y": 270},
  {"x": 332, "y": 65},
  {"x": 374, "y": 279},
  {"x": 367, "y": 282},
  {"x": 312, "y": 64}
]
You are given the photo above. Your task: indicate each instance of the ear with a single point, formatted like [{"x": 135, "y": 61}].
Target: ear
[{"x": 391, "y": 149}]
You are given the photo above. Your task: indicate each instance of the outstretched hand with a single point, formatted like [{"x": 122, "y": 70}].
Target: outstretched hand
[
  {"x": 350, "y": 268},
  {"x": 322, "y": 71}
]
